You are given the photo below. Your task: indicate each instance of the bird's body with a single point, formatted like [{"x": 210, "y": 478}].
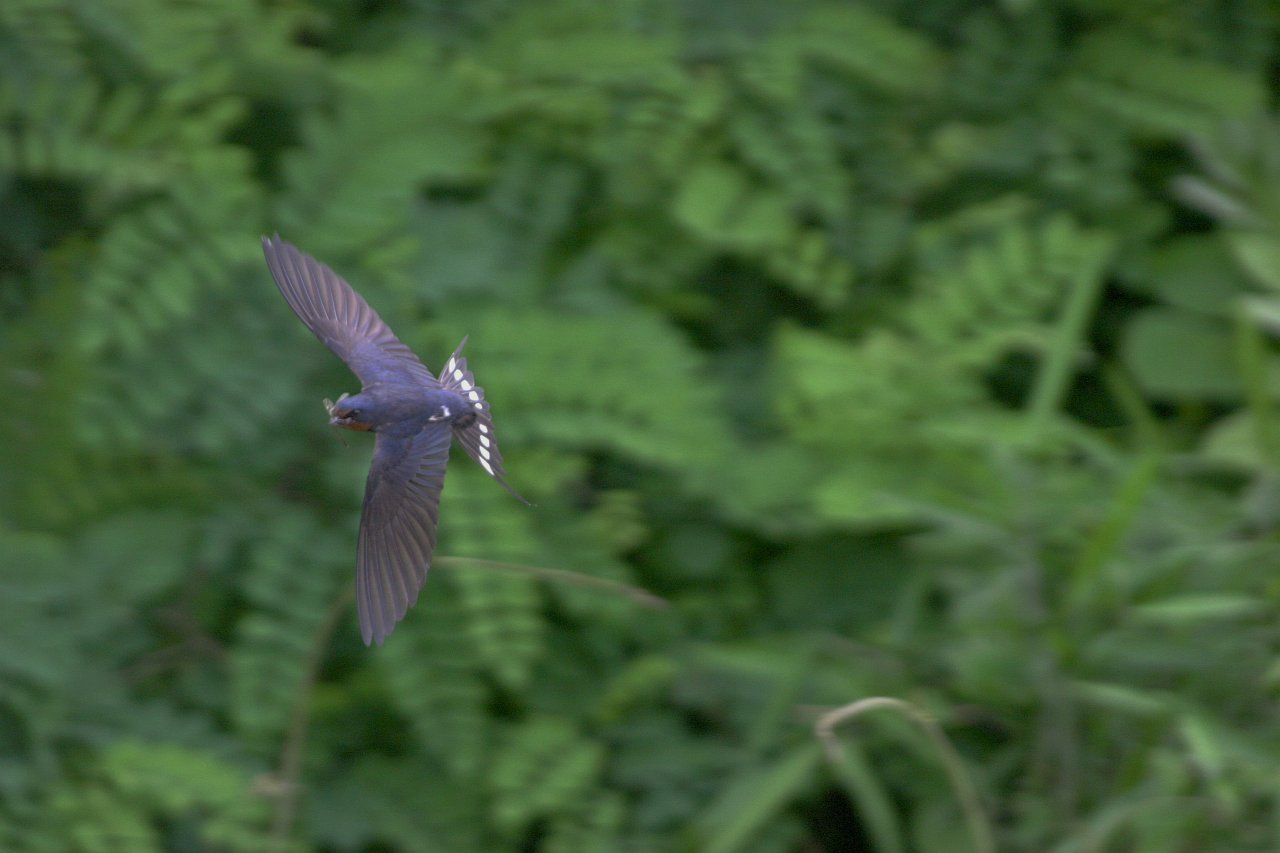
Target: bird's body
[
  {"x": 399, "y": 409},
  {"x": 415, "y": 416}
]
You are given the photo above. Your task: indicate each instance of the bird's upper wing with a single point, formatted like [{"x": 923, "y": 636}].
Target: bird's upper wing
[
  {"x": 478, "y": 439},
  {"x": 342, "y": 319},
  {"x": 398, "y": 526}
]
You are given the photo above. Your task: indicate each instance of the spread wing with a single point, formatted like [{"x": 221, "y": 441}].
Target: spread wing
[
  {"x": 341, "y": 319},
  {"x": 478, "y": 438},
  {"x": 398, "y": 526}
]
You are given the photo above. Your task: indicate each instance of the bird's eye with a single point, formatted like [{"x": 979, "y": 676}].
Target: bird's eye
[{"x": 353, "y": 414}]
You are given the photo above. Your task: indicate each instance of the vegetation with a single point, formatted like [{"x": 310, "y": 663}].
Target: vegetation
[{"x": 915, "y": 350}]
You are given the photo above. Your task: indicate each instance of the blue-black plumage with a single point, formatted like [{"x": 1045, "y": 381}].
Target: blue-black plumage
[{"x": 414, "y": 415}]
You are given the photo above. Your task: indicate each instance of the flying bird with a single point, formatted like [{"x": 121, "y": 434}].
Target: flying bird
[{"x": 414, "y": 415}]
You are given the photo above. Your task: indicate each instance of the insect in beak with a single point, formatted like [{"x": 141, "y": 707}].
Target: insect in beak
[{"x": 329, "y": 406}]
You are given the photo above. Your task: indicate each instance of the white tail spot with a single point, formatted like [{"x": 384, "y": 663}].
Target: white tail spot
[
  {"x": 466, "y": 386},
  {"x": 473, "y": 395},
  {"x": 484, "y": 463},
  {"x": 484, "y": 439},
  {"x": 484, "y": 451},
  {"x": 458, "y": 374},
  {"x": 452, "y": 365},
  {"x": 483, "y": 428}
]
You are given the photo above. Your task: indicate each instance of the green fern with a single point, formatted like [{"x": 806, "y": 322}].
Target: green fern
[
  {"x": 39, "y": 35},
  {"x": 869, "y": 47},
  {"x": 353, "y": 181},
  {"x": 63, "y": 607},
  {"x": 292, "y": 584},
  {"x": 723, "y": 206},
  {"x": 542, "y": 768},
  {"x": 1157, "y": 91},
  {"x": 503, "y": 624},
  {"x": 640, "y": 394},
  {"x": 997, "y": 297},
  {"x": 137, "y": 794},
  {"x": 1000, "y": 293},
  {"x": 649, "y": 144},
  {"x": 433, "y": 675},
  {"x": 406, "y": 803},
  {"x": 570, "y": 42},
  {"x": 758, "y": 292},
  {"x": 592, "y": 827}
]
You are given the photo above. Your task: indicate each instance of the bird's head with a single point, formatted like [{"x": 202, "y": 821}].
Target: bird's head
[{"x": 349, "y": 413}]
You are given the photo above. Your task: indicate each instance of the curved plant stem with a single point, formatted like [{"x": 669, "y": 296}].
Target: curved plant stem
[
  {"x": 966, "y": 793},
  {"x": 289, "y": 774},
  {"x": 635, "y": 593}
]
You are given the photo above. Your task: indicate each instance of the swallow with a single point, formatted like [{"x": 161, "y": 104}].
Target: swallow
[{"x": 414, "y": 416}]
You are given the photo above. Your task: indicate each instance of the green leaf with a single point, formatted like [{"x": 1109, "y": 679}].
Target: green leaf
[
  {"x": 1233, "y": 441},
  {"x": 755, "y": 798},
  {"x": 1195, "y": 273},
  {"x": 873, "y": 801},
  {"x": 1258, "y": 253},
  {"x": 1192, "y": 609},
  {"x": 1178, "y": 356},
  {"x": 721, "y": 204},
  {"x": 1123, "y": 698}
]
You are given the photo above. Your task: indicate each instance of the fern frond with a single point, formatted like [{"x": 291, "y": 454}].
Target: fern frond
[
  {"x": 983, "y": 299},
  {"x": 1158, "y": 91},
  {"x": 40, "y": 38},
  {"x": 873, "y": 49},
  {"x": 354, "y": 179},
  {"x": 639, "y": 393},
  {"x": 297, "y": 571},
  {"x": 592, "y": 826},
  {"x": 571, "y": 46},
  {"x": 542, "y": 768},
  {"x": 433, "y": 675},
  {"x": 503, "y": 622},
  {"x": 407, "y": 804},
  {"x": 810, "y": 263},
  {"x": 650, "y": 143},
  {"x": 1000, "y": 293},
  {"x": 135, "y": 791},
  {"x": 797, "y": 152}
]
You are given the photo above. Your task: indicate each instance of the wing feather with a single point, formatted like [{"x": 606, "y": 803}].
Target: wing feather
[
  {"x": 341, "y": 319},
  {"x": 398, "y": 526}
]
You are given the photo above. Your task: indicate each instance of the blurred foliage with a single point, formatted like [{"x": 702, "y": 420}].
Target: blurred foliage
[{"x": 910, "y": 349}]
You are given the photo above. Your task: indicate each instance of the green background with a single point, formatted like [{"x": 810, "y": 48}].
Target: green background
[{"x": 918, "y": 350}]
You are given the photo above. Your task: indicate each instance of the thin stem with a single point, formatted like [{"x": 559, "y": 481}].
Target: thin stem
[
  {"x": 1059, "y": 364},
  {"x": 1252, "y": 354},
  {"x": 966, "y": 793},
  {"x": 289, "y": 774},
  {"x": 290, "y": 770},
  {"x": 635, "y": 593}
]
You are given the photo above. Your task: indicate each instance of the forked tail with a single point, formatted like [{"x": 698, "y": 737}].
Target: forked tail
[{"x": 477, "y": 437}]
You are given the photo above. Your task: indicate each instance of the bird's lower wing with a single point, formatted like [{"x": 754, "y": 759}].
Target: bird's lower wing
[{"x": 398, "y": 526}]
